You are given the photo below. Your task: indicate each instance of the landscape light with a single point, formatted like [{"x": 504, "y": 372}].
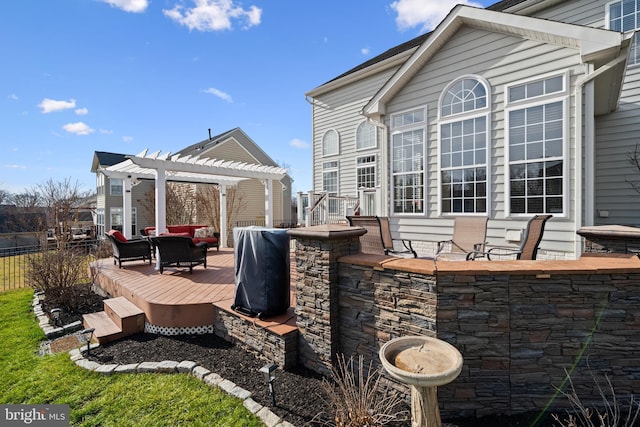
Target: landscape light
[
  {"x": 55, "y": 315},
  {"x": 269, "y": 372},
  {"x": 86, "y": 335}
]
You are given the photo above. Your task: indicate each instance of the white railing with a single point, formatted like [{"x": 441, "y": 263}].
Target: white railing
[{"x": 321, "y": 208}]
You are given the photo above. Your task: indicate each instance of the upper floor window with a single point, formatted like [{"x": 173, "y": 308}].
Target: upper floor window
[
  {"x": 330, "y": 143},
  {"x": 463, "y": 147},
  {"x": 366, "y": 136},
  {"x": 407, "y": 160},
  {"x": 536, "y": 149},
  {"x": 115, "y": 186},
  {"x": 464, "y": 95},
  {"x": 624, "y": 16}
]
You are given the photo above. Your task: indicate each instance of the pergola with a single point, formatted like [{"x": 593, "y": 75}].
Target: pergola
[{"x": 189, "y": 169}]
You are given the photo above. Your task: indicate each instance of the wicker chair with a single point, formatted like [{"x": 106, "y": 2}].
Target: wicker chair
[
  {"x": 378, "y": 239},
  {"x": 180, "y": 251},
  {"x": 128, "y": 250}
]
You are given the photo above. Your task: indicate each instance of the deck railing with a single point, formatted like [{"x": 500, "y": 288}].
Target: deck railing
[{"x": 322, "y": 208}]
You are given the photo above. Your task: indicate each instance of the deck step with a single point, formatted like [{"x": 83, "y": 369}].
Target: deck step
[
  {"x": 120, "y": 319},
  {"x": 125, "y": 315}
]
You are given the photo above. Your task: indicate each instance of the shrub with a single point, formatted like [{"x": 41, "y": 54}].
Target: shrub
[
  {"x": 357, "y": 398},
  {"x": 612, "y": 413},
  {"x": 58, "y": 273}
]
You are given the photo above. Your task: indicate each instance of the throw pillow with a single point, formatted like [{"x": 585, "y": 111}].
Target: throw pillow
[
  {"x": 201, "y": 233},
  {"x": 118, "y": 236}
]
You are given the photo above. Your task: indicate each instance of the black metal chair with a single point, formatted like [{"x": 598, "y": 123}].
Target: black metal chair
[
  {"x": 128, "y": 250},
  {"x": 180, "y": 251}
]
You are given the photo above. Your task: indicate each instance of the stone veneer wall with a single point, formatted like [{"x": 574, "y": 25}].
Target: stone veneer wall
[{"x": 520, "y": 325}]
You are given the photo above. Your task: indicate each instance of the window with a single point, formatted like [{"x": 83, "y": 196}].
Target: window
[
  {"x": 407, "y": 160},
  {"x": 624, "y": 16},
  {"x": 100, "y": 230},
  {"x": 330, "y": 183},
  {"x": 366, "y": 136},
  {"x": 366, "y": 172},
  {"x": 536, "y": 150},
  {"x": 463, "y": 147},
  {"x": 330, "y": 143},
  {"x": 115, "y": 216},
  {"x": 115, "y": 186}
]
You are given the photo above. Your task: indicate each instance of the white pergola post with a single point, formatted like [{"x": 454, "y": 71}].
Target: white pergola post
[
  {"x": 161, "y": 201},
  {"x": 223, "y": 216},
  {"x": 268, "y": 203},
  {"x": 126, "y": 207}
]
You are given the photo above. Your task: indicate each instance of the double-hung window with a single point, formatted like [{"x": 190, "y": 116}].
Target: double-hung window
[
  {"x": 536, "y": 153},
  {"x": 330, "y": 183},
  {"x": 623, "y": 16},
  {"x": 115, "y": 186},
  {"x": 464, "y": 138},
  {"x": 407, "y": 161}
]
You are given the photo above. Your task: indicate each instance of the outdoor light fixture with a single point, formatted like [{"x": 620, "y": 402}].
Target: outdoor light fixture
[
  {"x": 86, "y": 335},
  {"x": 55, "y": 315},
  {"x": 269, "y": 372}
]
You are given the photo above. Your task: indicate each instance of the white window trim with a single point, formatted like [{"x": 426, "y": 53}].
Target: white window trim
[
  {"x": 565, "y": 153},
  {"x": 375, "y": 172},
  {"x": 607, "y": 25},
  {"x": 375, "y": 138},
  {"x": 486, "y": 111},
  {"x": 398, "y": 130},
  {"x": 542, "y": 98},
  {"x": 337, "y": 170},
  {"x": 337, "y": 152}
]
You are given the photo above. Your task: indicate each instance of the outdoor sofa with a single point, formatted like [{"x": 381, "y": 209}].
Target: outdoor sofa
[{"x": 198, "y": 233}]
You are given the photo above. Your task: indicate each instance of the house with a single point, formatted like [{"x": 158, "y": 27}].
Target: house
[
  {"x": 234, "y": 148},
  {"x": 525, "y": 107}
]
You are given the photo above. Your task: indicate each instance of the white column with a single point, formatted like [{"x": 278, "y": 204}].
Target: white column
[
  {"x": 126, "y": 207},
  {"x": 161, "y": 201},
  {"x": 268, "y": 203},
  {"x": 223, "y": 215}
]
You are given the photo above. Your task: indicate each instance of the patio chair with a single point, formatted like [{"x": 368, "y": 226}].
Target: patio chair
[
  {"x": 378, "y": 239},
  {"x": 180, "y": 251},
  {"x": 128, "y": 250},
  {"x": 469, "y": 235},
  {"x": 528, "y": 249}
]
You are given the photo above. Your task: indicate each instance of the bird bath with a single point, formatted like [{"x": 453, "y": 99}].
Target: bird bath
[{"x": 423, "y": 363}]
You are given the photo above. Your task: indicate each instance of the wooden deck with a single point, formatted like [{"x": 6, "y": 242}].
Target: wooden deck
[{"x": 175, "y": 299}]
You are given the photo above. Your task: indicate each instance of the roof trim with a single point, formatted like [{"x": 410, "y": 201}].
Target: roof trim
[{"x": 595, "y": 44}]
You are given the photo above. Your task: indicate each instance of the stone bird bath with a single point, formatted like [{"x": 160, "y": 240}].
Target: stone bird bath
[{"x": 423, "y": 363}]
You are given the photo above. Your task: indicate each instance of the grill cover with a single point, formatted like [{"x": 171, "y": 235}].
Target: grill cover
[{"x": 262, "y": 271}]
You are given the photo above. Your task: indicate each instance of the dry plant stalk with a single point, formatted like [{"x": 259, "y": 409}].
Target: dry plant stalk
[
  {"x": 357, "y": 398},
  {"x": 610, "y": 415}
]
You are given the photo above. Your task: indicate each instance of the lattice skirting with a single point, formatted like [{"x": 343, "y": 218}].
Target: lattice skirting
[{"x": 188, "y": 330}]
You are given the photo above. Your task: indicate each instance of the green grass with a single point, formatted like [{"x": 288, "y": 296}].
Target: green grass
[
  {"x": 99, "y": 400},
  {"x": 12, "y": 270}
]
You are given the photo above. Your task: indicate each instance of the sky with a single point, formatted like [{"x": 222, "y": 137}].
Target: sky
[{"x": 79, "y": 76}]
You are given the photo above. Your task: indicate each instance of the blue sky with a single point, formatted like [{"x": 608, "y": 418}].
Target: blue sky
[{"x": 79, "y": 76}]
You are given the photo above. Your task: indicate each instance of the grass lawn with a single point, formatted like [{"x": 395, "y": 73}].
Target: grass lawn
[{"x": 95, "y": 399}]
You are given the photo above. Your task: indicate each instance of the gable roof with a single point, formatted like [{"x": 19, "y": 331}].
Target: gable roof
[
  {"x": 595, "y": 45},
  {"x": 104, "y": 158}
]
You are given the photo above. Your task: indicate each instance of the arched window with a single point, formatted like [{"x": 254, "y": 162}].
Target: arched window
[
  {"x": 464, "y": 138},
  {"x": 366, "y": 136},
  {"x": 330, "y": 143}
]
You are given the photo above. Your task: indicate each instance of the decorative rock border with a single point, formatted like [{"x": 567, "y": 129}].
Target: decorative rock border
[{"x": 212, "y": 379}]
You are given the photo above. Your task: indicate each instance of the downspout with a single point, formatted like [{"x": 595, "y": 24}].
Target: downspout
[{"x": 586, "y": 118}]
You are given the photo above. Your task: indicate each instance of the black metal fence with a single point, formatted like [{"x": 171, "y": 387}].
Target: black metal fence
[{"x": 13, "y": 259}]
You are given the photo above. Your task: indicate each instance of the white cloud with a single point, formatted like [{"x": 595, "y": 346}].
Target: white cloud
[
  {"x": 214, "y": 15},
  {"x": 105, "y": 131},
  {"x": 82, "y": 111},
  {"x": 365, "y": 51},
  {"x": 135, "y": 6},
  {"x": 78, "y": 128},
  {"x": 220, "y": 94},
  {"x": 14, "y": 166},
  {"x": 13, "y": 96},
  {"x": 298, "y": 143},
  {"x": 127, "y": 138},
  {"x": 424, "y": 13},
  {"x": 51, "y": 105}
]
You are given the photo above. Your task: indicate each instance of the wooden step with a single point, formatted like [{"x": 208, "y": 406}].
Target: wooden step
[
  {"x": 128, "y": 317},
  {"x": 105, "y": 329}
]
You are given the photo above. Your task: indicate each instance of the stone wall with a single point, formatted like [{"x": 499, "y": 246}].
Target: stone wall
[{"x": 520, "y": 325}]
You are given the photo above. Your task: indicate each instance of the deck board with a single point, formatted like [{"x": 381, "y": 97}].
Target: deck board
[{"x": 176, "y": 298}]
